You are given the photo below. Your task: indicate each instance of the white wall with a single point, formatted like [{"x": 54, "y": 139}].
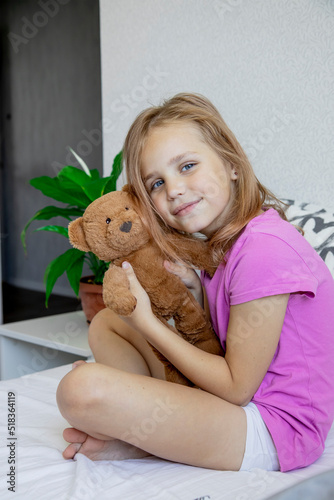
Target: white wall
[{"x": 268, "y": 65}]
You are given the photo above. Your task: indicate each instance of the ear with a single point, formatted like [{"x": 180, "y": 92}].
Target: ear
[
  {"x": 126, "y": 188},
  {"x": 234, "y": 173},
  {"x": 76, "y": 235}
]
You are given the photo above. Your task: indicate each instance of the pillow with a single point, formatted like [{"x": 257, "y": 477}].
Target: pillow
[{"x": 318, "y": 226}]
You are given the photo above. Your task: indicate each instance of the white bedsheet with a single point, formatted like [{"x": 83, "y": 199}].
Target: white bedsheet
[{"x": 41, "y": 472}]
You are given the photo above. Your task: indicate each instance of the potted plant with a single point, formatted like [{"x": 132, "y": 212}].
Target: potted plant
[{"x": 76, "y": 188}]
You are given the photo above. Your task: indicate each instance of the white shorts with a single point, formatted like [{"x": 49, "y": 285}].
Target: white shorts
[{"x": 260, "y": 450}]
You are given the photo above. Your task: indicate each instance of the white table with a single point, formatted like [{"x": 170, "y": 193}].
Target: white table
[{"x": 42, "y": 343}]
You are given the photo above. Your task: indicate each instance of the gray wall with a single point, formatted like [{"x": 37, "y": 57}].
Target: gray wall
[
  {"x": 268, "y": 65},
  {"x": 51, "y": 99}
]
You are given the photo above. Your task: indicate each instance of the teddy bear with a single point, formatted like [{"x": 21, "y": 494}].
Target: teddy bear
[{"x": 113, "y": 229}]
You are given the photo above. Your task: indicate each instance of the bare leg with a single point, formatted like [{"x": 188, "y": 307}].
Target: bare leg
[
  {"x": 168, "y": 420},
  {"x": 113, "y": 343},
  {"x": 120, "y": 409},
  {"x": 78, "y": 363}
]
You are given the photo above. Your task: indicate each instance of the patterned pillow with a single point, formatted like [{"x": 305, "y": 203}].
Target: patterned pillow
[{"x": 318, "y": 226}]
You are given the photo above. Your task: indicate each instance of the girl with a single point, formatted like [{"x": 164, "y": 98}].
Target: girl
[{"x": 269, "y": 402}]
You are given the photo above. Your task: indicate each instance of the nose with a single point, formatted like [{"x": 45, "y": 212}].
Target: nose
[
  {"x": 126, "y": 227},
  {"x": 175, "y": 187}
]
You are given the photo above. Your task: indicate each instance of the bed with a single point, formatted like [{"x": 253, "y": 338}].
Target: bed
[{"x": 32, "y": 467}]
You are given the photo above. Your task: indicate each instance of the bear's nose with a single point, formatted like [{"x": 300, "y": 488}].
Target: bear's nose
[{"x": 126, "y": 227}]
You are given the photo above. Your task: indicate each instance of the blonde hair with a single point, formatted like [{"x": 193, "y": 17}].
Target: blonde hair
[{"x": 248, "y": 195}]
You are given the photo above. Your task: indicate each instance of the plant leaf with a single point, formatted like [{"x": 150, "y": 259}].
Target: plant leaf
[
  {"x": 81, "y": 162},
  {"x": 117, "y": 165},
  {"x": 97, "y": 266},
  {"x": 47, "y": 213},
  {"x": 55, "y": 229},
  {"x": 74, "y": 274},
  {"x": 62, "y": 190},
  {"x": 67, "y": 186},
  {"x": 76, "y": 175},
  {"x": 58, "y": 266},
  {"x": 116, "y": 170},
  {"x": 91, "y": 186},
  {"x": 77, "y": 188},
  {"x": 96, "y": 188}
]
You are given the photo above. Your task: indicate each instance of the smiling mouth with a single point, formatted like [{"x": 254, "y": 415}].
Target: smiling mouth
[{"x": 185, "y": 208}]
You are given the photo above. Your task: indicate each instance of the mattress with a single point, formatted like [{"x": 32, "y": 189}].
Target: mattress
[{"x": 32, "y": 466}]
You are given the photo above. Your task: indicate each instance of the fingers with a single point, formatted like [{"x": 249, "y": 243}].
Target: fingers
[
  {"x": 142, "y": 302},
  {"x": 129, "y": 271},
  {"x": 134, "y": 283},
  {"x": 177, "y": 269},
  {"x": 188, "y": 277}
]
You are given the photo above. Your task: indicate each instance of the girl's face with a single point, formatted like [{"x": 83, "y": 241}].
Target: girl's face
[{"x": 189, "y": 184}]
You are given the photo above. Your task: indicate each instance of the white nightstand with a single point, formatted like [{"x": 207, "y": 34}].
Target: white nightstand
[{"x": 38, "y": 344}]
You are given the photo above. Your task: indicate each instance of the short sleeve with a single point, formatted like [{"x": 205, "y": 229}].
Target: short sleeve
[{"x": 267, "y": 265}]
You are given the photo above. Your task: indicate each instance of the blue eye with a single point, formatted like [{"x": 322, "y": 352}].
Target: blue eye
[
  {"x": 188, "y": 166},
  {"x": 157, "y": 184}
]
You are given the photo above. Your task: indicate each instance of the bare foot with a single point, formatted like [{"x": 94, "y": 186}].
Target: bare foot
[{"x": 97, "y": 449}]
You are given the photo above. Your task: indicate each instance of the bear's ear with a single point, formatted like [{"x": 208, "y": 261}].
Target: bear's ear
[
  {"x": 76, "y": 235},
  {"x": 129, "y": 190}
]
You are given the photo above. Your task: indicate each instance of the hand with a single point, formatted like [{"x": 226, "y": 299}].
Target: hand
[
  {"x": 143, "y": 309},
  {"x": 188, "y": 276}
]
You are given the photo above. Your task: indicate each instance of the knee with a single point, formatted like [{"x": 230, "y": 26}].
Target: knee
[{"x": 76, "y": 392}]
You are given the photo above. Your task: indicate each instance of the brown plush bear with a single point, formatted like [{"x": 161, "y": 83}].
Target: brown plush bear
[{"x": 112, "y": 229}]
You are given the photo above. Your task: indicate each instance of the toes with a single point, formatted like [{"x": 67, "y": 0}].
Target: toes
[
  {"x": 71, "y": 450},
  {"x": 72, "y": 435}
]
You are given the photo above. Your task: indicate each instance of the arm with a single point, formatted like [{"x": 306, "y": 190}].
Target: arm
[{"x": 249, "y": 351}]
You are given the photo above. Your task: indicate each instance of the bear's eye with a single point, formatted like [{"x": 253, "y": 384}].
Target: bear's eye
[
  {"x": 108, "y": 220},
  {"x": 126, "y": 208}
]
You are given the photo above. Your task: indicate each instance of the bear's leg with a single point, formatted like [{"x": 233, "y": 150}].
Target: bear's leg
[
  {"x": 192, "y": 324},
  {"x": 172, "y": 374}
]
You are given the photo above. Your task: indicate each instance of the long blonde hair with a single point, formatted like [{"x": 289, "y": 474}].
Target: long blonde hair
[{"x": 248, "y": 195}]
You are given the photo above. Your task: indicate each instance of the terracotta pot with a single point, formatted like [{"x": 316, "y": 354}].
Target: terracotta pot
[{"x": 91, "y": 297}]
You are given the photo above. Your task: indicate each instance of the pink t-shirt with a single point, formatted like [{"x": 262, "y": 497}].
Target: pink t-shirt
[{"x": 296, "y": 396}]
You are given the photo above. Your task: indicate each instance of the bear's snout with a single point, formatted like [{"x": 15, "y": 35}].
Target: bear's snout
[{"x": 126, "y": 227}]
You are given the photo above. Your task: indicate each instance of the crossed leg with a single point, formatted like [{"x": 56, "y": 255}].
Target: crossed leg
[{"x": 120, "y": 407}]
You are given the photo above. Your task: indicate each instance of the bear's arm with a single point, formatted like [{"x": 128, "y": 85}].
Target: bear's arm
[
  {"x": 116, "y": 291},
  {"x": 194, "y": 251}
]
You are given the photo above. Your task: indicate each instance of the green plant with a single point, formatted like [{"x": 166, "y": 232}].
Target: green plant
[{"x": 77, "y": 188}]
